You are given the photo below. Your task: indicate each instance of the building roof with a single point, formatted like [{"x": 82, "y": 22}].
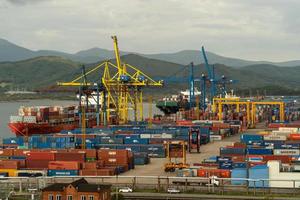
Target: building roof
[
  {"x": 81, "y": 185},
  {"x": 92, "y": 187},
  {"x": 56, "y": 187}
]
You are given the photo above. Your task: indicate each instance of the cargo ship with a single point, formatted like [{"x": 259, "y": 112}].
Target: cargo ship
[
  {"x": 47, "y": 119},
  {"x": 174, "y": 103}
]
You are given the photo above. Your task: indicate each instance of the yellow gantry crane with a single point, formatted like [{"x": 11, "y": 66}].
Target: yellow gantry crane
[{"x": 123, "y": 83}]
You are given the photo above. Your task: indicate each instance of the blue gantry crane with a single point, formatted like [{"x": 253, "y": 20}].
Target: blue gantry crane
[{"x": 213, "y": 81}]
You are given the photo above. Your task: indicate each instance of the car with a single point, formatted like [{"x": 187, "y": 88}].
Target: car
[
  {"x": 173, "y": 190},
  {"x": 125, "y": 189}
]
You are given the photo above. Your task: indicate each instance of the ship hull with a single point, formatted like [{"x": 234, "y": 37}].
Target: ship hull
[{"x": 28, "y": 129}]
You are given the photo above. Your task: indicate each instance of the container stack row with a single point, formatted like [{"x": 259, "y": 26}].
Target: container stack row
[{"x": 103, "y": 162}]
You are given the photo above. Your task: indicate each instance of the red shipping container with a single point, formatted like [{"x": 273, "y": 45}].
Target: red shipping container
[
  {"x": 21, "y": 152},
  {"x": 276, "y": 125},
  {"x": 293, "y": 125},
  {"x": 6, "y": 152},
  {"x": 62, "y": 165},
  {"x": 49, "y": 156},
  {"x": 92, "y": 165},
  {"x": 9, "y": 164},
  {"x": 238, "y": 158},
  {"x": 89, "y": 153},
  {"x": 215, "y": 129},
  {"x": 294, "y": 136},
  {"x": 97, "y": 172},
  {"x": 239, "y": 145},
  {"x": 283, "y": 158},
  {"x": 80, "y": 157},
  {"x": 210, "y": 165},
  {"x": 108, "y": 153},
  {"x": 252, "y": 164},
  {"x": 37, "y": 164}
]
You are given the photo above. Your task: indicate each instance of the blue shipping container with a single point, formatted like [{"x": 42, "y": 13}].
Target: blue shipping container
[
  {"x": 260, "y": 151},
  {"x": 250, "y": 138},
  {"x": 239, "y": 165},
  {"x": 62, "y": 172},
  {"x": 259, "y": 172},
  {"x": 239, "y": 173}
]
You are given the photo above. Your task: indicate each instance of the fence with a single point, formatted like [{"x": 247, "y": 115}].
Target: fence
[{"x": 213, "y": 185}]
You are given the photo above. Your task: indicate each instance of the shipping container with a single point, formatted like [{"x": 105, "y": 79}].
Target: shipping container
[
  {"x": 259, "y": 151},
  {"x": 49, "y": 156},
  {"x": 97, "y": 172},
  {"x": 63, "y": 172},
  {"x": 221, "y": 173},
  {"x": 275, "y": 137},
  {"x": 11, "y": 172},
  {"x": 250, "y": 138},
  {"x": 80, "y": 157},
  {"x": 239, "y": 173},
  {"x": 64, "y": 165},
  {"x": 259, "y": 173},
  {"x": 231, "y": 151},
  {"x": 9, "y": 164},
  {"x": 291, "y": 152}
]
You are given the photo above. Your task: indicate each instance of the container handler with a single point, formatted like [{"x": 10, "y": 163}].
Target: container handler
[{"x": 172, "y": 163}]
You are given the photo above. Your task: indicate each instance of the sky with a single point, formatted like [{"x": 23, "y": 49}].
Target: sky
[{"x": 247, "y": 29}]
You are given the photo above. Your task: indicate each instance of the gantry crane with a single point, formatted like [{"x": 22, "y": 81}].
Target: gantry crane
[
  {"x": 213, "y": 81},
  {"x": 171, "y": 165},
  {"x": 123, "y": 85}
]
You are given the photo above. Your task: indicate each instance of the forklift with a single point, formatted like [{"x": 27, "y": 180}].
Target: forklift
[{"x": 172, "y": 164}]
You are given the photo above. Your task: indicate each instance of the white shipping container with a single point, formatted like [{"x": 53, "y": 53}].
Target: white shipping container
[
  {"x": 292, "y": 152},
  {"x": 167, "y": 136},
  {"x": 29, "y": 119},
  {"x": 293, "y": 130},
  {"x": 156, "y": 136},
  {"x": 146, "y": 136},
  {"x": 286, "y": 133},
  {"x": 215, "y": 137},
  {"x": 274, "y": 137},
  {"x": 14, "y": 119},
  {"x": 296, "y": 167}
]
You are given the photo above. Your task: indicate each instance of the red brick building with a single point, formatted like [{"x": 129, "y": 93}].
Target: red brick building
[{"x": 77, "y": 190}]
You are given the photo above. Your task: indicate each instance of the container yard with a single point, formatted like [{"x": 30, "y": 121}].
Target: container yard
[{"x": 205, "y": 138}]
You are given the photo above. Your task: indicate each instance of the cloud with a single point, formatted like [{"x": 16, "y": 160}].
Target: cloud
[
  {"x": 24, "y": 2},
  {"x": 251, "y": 29}
]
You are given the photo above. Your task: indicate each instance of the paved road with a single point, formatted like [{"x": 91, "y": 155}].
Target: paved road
[{"x": 161, "y": 196}]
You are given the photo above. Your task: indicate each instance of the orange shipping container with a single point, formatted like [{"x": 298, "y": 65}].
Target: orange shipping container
[
  {"x": 40, "y": 156},
  {"x": 90, "y": 153},
  {"x": 62, "y": 165},
  {"x": 294, "y": 136},
  {"x": 21, "y": 152},
  {"x": 6, "y": 152},
  {"x": 221, "y": 173},
  {"x": 92, "y": 165},
  {"x": 97, "y": 172},
  {"x": 9, "y": 164}
]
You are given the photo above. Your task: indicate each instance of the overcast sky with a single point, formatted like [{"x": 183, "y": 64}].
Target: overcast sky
[{"x": 248, "y": 29}]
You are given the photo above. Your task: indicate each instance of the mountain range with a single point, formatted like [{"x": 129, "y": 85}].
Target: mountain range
[
  {"x": 13, "y": 52},
  {"x": 43, "y": 72},
  {"x": 39, "y": 70}
]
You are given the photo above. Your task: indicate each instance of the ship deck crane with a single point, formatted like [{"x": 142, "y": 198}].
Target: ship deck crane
[{"x": 123, "y": 84}]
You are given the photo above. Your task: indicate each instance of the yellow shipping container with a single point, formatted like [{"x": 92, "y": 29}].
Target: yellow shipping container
[
  {"x": 264, "y": 133},
  {"x": 11, "y": 172}
]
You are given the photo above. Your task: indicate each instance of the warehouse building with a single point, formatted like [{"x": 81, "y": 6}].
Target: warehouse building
[{"x": 77, "y": 190}]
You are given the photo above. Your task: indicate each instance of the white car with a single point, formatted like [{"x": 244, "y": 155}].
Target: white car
[
  {"x": 125, "y": 189},
  {"x": 173, "y": 190}
]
